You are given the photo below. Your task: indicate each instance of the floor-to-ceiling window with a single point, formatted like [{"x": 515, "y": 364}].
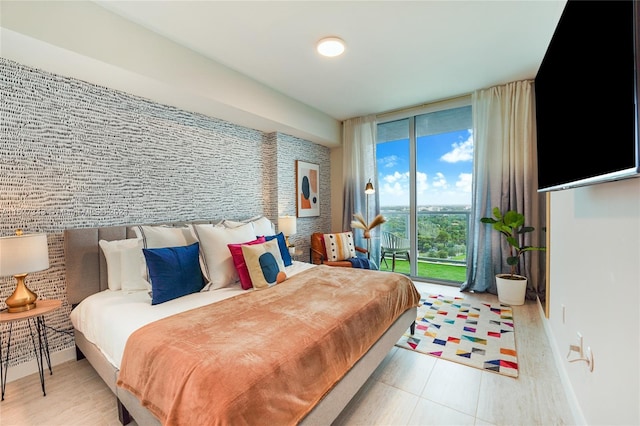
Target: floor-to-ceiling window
[{"x": 425, "y": 163}]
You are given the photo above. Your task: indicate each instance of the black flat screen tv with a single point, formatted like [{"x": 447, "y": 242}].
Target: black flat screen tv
[{"x": 586, "y": 94}]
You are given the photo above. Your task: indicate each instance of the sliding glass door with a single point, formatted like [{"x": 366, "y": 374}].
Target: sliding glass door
[{"x": 425, "y": 164}]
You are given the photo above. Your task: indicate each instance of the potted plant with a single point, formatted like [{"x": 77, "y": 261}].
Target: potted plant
[{"x": 512, "y": 287}]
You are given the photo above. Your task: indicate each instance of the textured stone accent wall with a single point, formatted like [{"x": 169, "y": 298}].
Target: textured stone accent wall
[
  {"x": 291, "y": 149},
  {"x": 74, "y": 154}
]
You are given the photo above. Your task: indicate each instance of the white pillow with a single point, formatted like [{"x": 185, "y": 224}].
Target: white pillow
[
  {"x": 261, "y": 225},
  {"x": 160, "y": 236},
  {"x": 232, "y": 223},
  {"x": 133, "y": 275},
  {"x": 126, "y": 267},
  {"x": 217, "y": 263}
]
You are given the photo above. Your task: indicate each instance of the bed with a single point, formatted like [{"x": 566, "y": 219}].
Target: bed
[{"x": 275, "y": 359}]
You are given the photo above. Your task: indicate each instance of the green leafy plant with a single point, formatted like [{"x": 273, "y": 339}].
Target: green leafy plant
[{"x": 511, "y": 226}]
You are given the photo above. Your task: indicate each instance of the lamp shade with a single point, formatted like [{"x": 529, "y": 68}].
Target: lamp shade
[
  {"x": 22, "y": 254},
  {"x": 287, "y": 225},
  {"x": 368, "y": 189}
]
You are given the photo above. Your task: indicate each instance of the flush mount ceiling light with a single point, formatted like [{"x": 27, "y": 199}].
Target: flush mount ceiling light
[{"x": 330, "y": 46}]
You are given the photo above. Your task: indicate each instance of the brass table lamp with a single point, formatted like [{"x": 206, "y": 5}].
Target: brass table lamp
[
  {"x": 20, "y": 255},
  {"x": 287, "y": 225}
]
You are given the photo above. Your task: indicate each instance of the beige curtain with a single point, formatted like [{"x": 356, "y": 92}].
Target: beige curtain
[
  {"x": 359, "y": 165},
  {"x": 505, "y": 176}
]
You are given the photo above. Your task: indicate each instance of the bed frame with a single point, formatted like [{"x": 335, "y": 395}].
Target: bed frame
[{"x": 86, "y": 270}]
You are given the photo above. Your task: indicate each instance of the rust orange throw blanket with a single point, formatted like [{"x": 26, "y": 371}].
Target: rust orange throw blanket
[{"x": 263, "y": 357}]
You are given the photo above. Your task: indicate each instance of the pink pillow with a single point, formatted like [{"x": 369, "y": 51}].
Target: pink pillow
[{"x": 238, "y": 261}]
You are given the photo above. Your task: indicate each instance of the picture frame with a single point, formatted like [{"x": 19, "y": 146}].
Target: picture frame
[{"x": 307, "y": 189}]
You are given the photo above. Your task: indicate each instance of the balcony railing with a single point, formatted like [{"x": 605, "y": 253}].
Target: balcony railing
[{"x": 441, "y": 241}]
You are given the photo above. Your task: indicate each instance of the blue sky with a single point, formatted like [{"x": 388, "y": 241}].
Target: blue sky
[{"x": 444, "y": 170}]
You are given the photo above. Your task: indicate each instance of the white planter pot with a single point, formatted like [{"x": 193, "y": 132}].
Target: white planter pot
[{"x": 511, "y": 292}]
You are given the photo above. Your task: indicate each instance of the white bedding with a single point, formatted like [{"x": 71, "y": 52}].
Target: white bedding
[{"x": 108, "y": 318}]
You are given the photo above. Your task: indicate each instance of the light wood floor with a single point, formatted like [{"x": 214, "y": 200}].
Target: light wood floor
[{"x": 407, "y": 389}]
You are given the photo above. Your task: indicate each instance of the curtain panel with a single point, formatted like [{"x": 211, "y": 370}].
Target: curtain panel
[
  {"x": 359, "y": 165},
  {"x": 504, "y": 176}
]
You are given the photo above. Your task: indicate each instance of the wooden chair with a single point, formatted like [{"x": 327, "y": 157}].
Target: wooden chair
[
  {"x": 318, "y": 254},
  {"x": 394, "y": 245}
]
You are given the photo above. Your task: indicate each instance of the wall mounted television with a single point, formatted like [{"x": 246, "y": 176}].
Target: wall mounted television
[{"x": 586, "y": 93}]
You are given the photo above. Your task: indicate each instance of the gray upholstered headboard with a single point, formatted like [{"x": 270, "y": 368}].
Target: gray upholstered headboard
[{"x": 85, "y": 262}]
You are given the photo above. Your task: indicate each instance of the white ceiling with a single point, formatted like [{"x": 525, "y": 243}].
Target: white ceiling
[{"x": 399, "y": 53}]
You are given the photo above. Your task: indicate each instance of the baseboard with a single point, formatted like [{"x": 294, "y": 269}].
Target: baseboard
[
  {"x": 31, "y": 367},
  {"x": 559, "y": 360}
]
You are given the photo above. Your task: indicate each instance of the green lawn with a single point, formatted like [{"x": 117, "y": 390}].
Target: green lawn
[{"x": 437, "y": 271}]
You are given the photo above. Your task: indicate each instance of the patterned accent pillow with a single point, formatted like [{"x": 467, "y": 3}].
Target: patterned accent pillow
[
  {"x": 264, "y": 264},
  {"x": 339, "y": 246},
  {"x": 240, "y": 264},
  {"x": 284, "y": 250}
]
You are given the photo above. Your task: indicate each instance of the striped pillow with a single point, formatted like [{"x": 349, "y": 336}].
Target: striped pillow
[{"x": 339, "y": 246}]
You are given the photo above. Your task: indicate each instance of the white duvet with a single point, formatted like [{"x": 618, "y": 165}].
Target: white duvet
[{"x": 108, "y": 318}]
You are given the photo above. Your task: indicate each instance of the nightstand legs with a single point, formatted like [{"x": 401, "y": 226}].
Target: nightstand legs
[
  {"x": 40, "y": 348},
  {"x": 4, "y": 364}
]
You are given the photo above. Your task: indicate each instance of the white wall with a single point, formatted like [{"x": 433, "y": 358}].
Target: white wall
[
  {"x": 337, "y": 189},
  {"x": 82, "y": 40},
  {"x": 595, "y": 274}
]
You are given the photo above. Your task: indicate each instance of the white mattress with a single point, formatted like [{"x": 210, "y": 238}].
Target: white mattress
[{"x": 108, "y": 318}]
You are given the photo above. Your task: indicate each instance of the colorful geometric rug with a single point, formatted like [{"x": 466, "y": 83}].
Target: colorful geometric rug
[{"x": 480, "y": 335}]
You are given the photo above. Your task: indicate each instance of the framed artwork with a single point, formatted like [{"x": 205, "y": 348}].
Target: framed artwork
[{"x": 307, "y": 189}]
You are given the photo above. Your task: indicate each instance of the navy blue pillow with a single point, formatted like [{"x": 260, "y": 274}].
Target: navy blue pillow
[
  {"x": 173, "y": 272},
  {"x": 282, "y": 245}
]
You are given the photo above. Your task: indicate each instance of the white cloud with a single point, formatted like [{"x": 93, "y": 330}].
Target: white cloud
[
  {"x": 388, "y": 161},
  {"x": 440, "y": 181},
  {"x": 464, "y": 182},
  {"x": 422, "y": 182},
  {"x": 394, "y": 189},
  {"x": 396, "y": 177},
  {"x": 431, "y": 189},
  {"x": 461, "y": 151}
]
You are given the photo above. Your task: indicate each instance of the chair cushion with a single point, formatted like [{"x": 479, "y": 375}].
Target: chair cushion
[
  {"x": 319, "y": 256},
  {"x": 339, "y": 246}
]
